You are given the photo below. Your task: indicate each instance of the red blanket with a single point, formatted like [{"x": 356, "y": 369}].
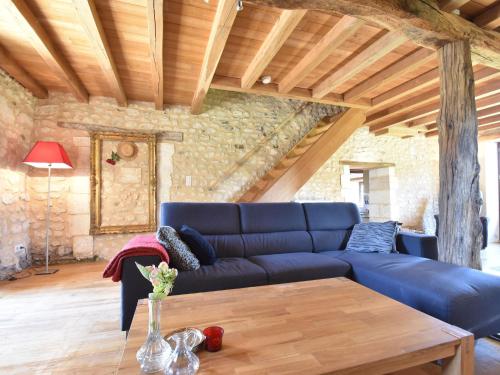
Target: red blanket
[{"x": 139, "y": 245}]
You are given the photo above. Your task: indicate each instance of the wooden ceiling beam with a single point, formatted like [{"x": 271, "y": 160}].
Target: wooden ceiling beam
[
  {"x": 297, "y": 93},
  {"x": 337, "y": 35},
  {"x": 421, "y": 21},
  {"x": 431, "y": 119},
  {"x": 278, "y": 35},
  {"x": 92, "y": 25},
  {"x": 155, "y": 30},
  {"x": 486, "y": 97},
  {"x": 367, "y": 57},
  {"x": 17, "y": 72},
  {"x": 481, "y": 122},
  {"x": 451, "y": 5},
  {"x": 221, "y": 27},
  {"x": 42, "y": 43},
  {"x": 490, "y": 18},
  {"x": 408, "y": 63},
  {"x": 431, "y": 95}
]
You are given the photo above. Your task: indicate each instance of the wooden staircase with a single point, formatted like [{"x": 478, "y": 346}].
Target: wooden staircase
[{"x": 305, "y": 158}]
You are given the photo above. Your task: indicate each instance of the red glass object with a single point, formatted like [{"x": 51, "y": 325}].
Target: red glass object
[
  {"x": 48, "y": 154},
  {"x": 213, "y": 341}
]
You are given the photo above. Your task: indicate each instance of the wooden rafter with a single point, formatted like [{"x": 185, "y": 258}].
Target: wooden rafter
[
  {"x": 408, "y": 63},
  {"x": 278, "y": 35},
  {"x": 12, "y": 67},
  {"x": 420, "y": 20},
  {"x": 155, "y": 29},
  {"x": 337, "y": 35},
  {"x": 221, "y": 26},
  {"x": 92, "y": 25},
  {"x": 490, "y": 18},
  {"x": 367, "y": 57},
  {"x": 233, "y": 84},
  {"x": 450, "y": 5},
  {"x": 42, "y": 43},
  {"x": 481, "y": 122}
]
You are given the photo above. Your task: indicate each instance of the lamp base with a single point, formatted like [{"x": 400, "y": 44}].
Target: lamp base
[{"x": 50, "y": 271}]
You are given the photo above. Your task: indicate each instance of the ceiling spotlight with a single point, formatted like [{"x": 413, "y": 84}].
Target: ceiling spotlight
[
  {"x": 266, "y": 80},
  {"x": 239, "y": 5}
]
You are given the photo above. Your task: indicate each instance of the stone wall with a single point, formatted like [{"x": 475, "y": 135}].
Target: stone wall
[
  {"x": 16, "y": 125},
  {"x": 233, "y": 128},
  {"x": 416, "y": 174}
]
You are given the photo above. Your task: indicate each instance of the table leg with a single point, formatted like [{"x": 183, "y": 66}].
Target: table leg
[{"x": 462, "y": 363}]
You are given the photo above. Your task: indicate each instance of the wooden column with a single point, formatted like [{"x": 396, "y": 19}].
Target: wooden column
[{"x": 459, "y": 198}]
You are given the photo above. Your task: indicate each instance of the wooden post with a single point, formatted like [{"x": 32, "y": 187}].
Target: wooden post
[{"x": 459, "y": 198}]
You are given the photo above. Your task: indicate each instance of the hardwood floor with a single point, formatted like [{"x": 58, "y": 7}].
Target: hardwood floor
[{"x": 68, "y": 323}]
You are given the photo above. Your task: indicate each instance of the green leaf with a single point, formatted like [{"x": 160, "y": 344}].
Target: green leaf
[{"x": 143, "y": 270}]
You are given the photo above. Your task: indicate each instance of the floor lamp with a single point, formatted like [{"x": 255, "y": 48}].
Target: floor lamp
[{"x": 50, "y": 155}]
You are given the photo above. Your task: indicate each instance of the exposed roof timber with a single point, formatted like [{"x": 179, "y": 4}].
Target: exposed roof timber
[
  {"x": 490, "y": 18},
  {"x": 233, "y": 84},
  {"x": 365, "y": 58},
  {"x": 155, "y": 30},
  {"x": 487, "y": 92},
  {"x": 450, "y": 5},
  {"x": 278, "y": 35},
  {"x": 12, "y": 67},
  {"x": 481, "y": 122},
  {"x": 221, "y": 26},
  {"x": 92, "y": 25},
  {"x": 406, "y": 64},
  {"x": 40, "y": 40},
  {"x": 337, "y": 35},
  {"x": 484, "y": 124},
  {"x": 431, "y": 95},
  {"x": 431, "y": 119},
  {"x": 489, "y": 136},
  {"x": 422, "y": 22}
]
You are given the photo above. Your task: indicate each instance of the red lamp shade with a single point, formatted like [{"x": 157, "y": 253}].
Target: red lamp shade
[{"x": 48, "y": 154}]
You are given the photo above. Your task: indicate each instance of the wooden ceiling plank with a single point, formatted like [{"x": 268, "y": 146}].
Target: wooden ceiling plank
[
  {"x": 482, "y": 75},
  {"x": 411, "y": 62},
  {"x": 367, "y": 57},
  {"x": 298, "y": 93},
  {"x": 92, "y": 25},
  {"x": 155, "y": 30},
  {"x": 451, "y": 5},
  {"x": 337, "y": 35},
  {"x": 12, "y": 67},
  {"x": 42, "y": 43},
  {"x": 221, "y": 27},
  {"x": 482, "y": 123},
  {"x": 278, "y": 35},
  {"x": 422, "y": 22},
  {"x": 490, "y": 18}
]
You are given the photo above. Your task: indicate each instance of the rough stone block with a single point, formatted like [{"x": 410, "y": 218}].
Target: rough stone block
[
  {"x": 79, "y": 224},
  {"x": 83, "y": 247}
]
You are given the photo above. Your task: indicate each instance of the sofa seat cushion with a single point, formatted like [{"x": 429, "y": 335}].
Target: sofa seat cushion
[
  {"x": 290, "y": 267},
  {"x": 457, "y": 295},
  {"x": 225, "y": 273}
]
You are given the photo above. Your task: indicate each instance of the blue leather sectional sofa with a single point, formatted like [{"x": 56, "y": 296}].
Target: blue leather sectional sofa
[{"x": 267, "y": 243}]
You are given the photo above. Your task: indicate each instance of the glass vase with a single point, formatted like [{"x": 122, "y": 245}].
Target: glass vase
[
  {"x": 154, "y": 353},
  {"x": 182, "y": 361}
]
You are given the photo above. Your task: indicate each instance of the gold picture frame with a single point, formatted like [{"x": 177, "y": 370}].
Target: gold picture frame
[{"x": 100, "y": 224}]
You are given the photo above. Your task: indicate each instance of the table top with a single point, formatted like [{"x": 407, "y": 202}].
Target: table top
[{"x": 328, "y": 326}]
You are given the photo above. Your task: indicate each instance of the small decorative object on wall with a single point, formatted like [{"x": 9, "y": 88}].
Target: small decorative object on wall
[{"x": 123, "y": 187}]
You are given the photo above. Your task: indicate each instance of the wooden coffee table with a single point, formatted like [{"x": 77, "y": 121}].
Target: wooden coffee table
[{"x": 330, "y": 326}]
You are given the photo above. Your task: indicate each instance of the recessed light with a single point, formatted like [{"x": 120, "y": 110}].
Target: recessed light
[
  {"x": 266, "y": 80},
  {"x": 239, "y": 5}
]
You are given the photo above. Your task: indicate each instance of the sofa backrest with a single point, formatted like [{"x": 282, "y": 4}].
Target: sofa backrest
[
  {"x": 273, "y": 228},
  {"x": 218, "y": 222},
  {"x": 330, "y": 224}
]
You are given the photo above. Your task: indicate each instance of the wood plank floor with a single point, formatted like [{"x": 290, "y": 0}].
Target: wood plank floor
[{"x": 68, "y": 323}]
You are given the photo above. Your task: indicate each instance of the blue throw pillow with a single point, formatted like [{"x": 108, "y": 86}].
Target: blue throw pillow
[
  {"x": 373, "y": 237},
  {"x": 198, "y": 245}
]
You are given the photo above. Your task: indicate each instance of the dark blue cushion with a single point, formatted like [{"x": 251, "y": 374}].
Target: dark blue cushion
[
  {"x": 460, "y": 296},
  {"x": 420, "y": 245},
  {"x": 330, "y": 224},
  {"x": 198, "y": 245},
  {"x": 272, "y": 217},
  {"x": 284, "y": 268},
  {"x": 207, "y": 218},
  {"x": 227, "y": 245},
  {"x": 277, "y": 243},
  {"x": 226, "y": 273}
]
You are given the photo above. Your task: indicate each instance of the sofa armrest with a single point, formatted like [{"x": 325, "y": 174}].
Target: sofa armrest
[
  {"x": 420, "y": 245},
  {"x": 134, "y": 286}
]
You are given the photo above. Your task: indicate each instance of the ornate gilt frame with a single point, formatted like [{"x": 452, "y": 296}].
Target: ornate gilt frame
[{"x": 96, "y": 182}]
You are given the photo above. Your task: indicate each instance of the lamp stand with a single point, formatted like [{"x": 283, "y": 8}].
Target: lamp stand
[{"x": 47, "y": 271}]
